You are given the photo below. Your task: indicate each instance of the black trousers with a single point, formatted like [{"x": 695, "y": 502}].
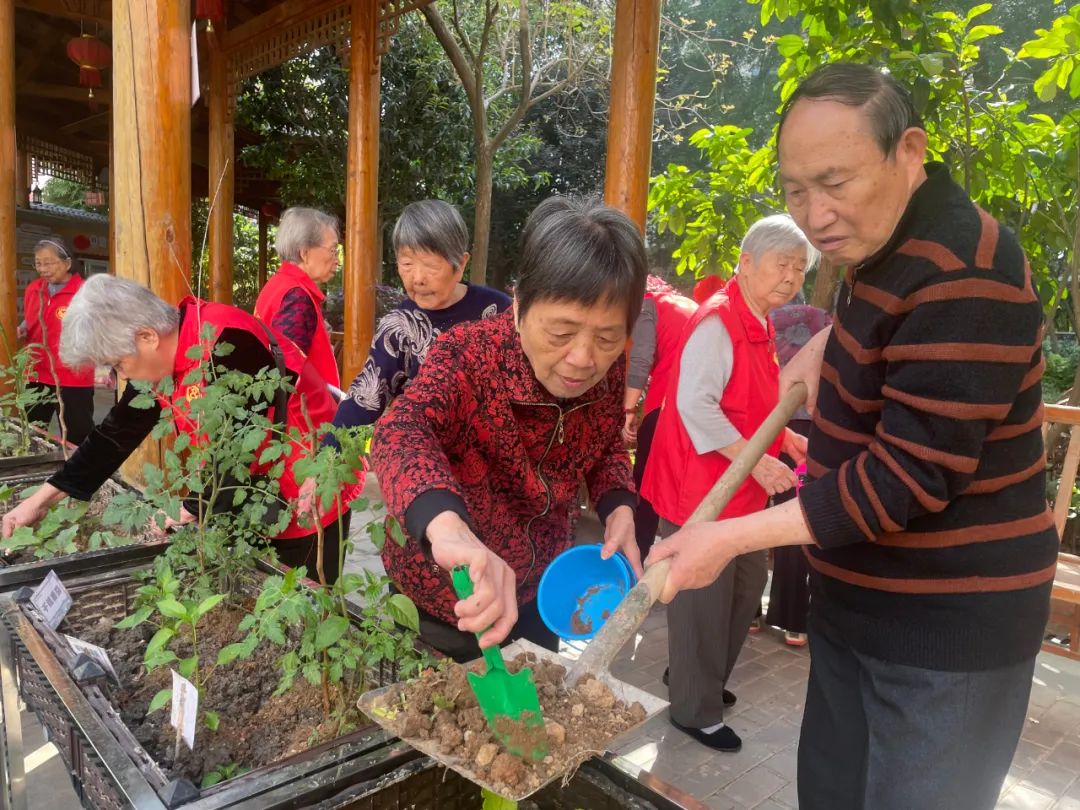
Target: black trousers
[
  {"x": 646, "y": 521},
  {"x": 789, "y": 594},
  {"x": 78, "y": 409},
  {"x": 462, "y": 647},
  {"x": 877, "y": 735},
  {"x": 304, "y": 550}
]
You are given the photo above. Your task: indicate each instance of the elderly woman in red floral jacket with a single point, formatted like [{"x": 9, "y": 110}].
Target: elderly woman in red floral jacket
[{"x": 482, "y": 455}]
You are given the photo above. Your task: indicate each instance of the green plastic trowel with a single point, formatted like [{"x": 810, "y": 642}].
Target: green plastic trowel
[{"x": 509, "y": 702}]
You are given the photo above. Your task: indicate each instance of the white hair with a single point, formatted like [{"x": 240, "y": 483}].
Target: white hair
[
  {"x": 103, "y": 317},
  {"x": 777, "y": 232},
  {"x": 300, "y": 229}
]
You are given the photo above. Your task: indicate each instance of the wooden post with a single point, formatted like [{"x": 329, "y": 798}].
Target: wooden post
[
  {"x": 633, "y": 93},
  {"x": 222, "y": 176},
  {"x": 151, "y": 193},
  {"x": 362, "y": 189},
  {"x": 8, "y": 310},
  {"x": 264, "y": 249}
]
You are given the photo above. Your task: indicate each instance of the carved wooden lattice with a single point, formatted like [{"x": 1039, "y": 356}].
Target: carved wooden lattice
[
  {"x": 330, "y": 26},
  {"x": 390, "y": 16},
  {"x": 57, "y": 161}
]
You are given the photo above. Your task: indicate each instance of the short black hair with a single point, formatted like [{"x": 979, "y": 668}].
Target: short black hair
[
  {"x": 581, "y": 251},
  {"x": 887, "y": 103},
  {"x": 433, "y": 226}
]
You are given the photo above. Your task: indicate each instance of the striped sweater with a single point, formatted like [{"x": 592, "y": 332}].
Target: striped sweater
[{"x": 934, "y": 546}]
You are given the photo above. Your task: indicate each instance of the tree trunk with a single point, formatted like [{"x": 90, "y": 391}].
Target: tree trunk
[
  {"x": 828, "y": 277},
  {"x": 482, "y": 220}
]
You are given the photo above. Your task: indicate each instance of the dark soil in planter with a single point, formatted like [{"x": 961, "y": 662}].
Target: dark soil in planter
[
  {"x": 579, "y": 722},
  {"x": 89, "y": 523},
  {"x": 255, "y": 728}
]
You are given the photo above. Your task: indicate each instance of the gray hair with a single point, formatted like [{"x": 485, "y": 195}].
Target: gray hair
[
  {"x": 777, "y": 232},
  {"x": 300, "y": 229},
  {"x": 432, "y": 226},
  {"x": 56, "y": 245},
  {"x": 886, "y": 103},
  {"x": 103, "y": 317}
]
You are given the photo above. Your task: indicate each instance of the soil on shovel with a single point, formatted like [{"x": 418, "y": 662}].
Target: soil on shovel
[
  {"x": 255, "y": 728},
  {"x": 579, "y": 722}
]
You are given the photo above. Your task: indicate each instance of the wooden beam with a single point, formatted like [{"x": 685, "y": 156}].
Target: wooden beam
[
  {"x": 8, "y": 160},
  {"x": 282, "y": 15},
  {"x": 222, "y": 180},
  {"x": 362, "y": 188},
  {"x": 151, "y": 193},
  {"x": 633, "y": 93},
  {"x": 79, "y": 10},
  {"x": 102, "y": 95},
  {"x": 84, "y": 123},
  {"x": 1064, "y": 414}
]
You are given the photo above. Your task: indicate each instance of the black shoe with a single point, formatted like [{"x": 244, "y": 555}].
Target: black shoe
[
  {"x": 723, "y": 739},
  {"x": 729, "y": 697}
]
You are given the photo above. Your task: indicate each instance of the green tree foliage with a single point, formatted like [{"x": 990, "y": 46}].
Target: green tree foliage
[
  {"x": 67, "y": 193},
  {"x": 1017, "y": 158}
]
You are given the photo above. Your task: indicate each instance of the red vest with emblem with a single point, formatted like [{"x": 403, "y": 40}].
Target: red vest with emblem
[
  {"x": 289, "y": 277},
  {"x": 677, "y": 477},
  {"x": 672, "y": 314},
  {"x": 44, "y": 315},
  {"x": 309, "y": 404}
]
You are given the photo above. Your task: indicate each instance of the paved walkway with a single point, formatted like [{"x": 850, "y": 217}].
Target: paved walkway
[{"x": 770, "y": 682}]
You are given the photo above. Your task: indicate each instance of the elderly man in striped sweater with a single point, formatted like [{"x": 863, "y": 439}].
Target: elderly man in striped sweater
[{"x": 931, "y": 548}]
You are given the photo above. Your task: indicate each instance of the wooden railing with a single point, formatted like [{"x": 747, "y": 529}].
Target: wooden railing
[{"x": 1065, "y": 597}]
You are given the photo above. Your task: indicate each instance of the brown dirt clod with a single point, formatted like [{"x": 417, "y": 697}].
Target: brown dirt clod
[{"x": 578, "y": 722}]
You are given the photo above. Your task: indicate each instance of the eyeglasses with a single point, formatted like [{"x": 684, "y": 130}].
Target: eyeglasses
[{"x": 39, "y": 265}]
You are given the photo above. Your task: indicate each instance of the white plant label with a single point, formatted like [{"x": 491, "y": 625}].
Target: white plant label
[
  {"x": 94, "y": 651},
  {"x": 185, "y": 707},
  {"x": 51, "y": 600}
]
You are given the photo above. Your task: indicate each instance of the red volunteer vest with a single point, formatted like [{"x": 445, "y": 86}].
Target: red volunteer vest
[
  {"x": 44, "y": 316},
  {"x": 309, "y": 404},
  {"x": 707, "y": 287},
  {"x": 288, "y": 277},
  {"x": 677, "y": 477},
  {"x": 673, "y": 312}
]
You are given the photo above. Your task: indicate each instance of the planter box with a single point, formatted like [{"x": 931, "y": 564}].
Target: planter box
[
  {"x": 109, "y": 769},
  {"x": 421, "y": 784},
  {"x": 45, "y": 458},
  {"x": 15, "y": 575}
]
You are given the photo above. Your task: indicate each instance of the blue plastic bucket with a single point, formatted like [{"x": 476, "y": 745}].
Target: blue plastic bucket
[{"x": 578, "y": 591}]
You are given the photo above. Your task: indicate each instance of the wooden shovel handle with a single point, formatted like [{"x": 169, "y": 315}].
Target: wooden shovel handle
[
  {"x": 626, "y": 619},
  {"x": 737, "y": 472}
]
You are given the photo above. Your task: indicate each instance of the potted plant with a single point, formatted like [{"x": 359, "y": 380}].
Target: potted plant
[{"x": 24, "y": 449}]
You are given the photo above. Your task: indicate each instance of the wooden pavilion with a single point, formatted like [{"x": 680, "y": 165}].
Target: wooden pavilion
[{"x": 143, "y": 135}]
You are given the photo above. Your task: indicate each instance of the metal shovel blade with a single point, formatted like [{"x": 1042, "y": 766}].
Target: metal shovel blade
[{"x": 510, "y": 703}]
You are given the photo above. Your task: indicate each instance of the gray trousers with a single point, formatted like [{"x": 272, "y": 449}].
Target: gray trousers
[
  {"x": 883, "y": 736},
  {"x": 706, "y": 630}
]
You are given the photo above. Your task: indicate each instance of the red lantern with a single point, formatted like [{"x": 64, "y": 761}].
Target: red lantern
[
  {"x": 92, "y": 56},
  {"x": 212, "y": 10},
  {"x": 270, "y": 210}
]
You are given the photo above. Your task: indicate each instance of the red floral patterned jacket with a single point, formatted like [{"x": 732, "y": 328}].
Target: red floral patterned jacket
[{"x": 477, "y": 434}]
